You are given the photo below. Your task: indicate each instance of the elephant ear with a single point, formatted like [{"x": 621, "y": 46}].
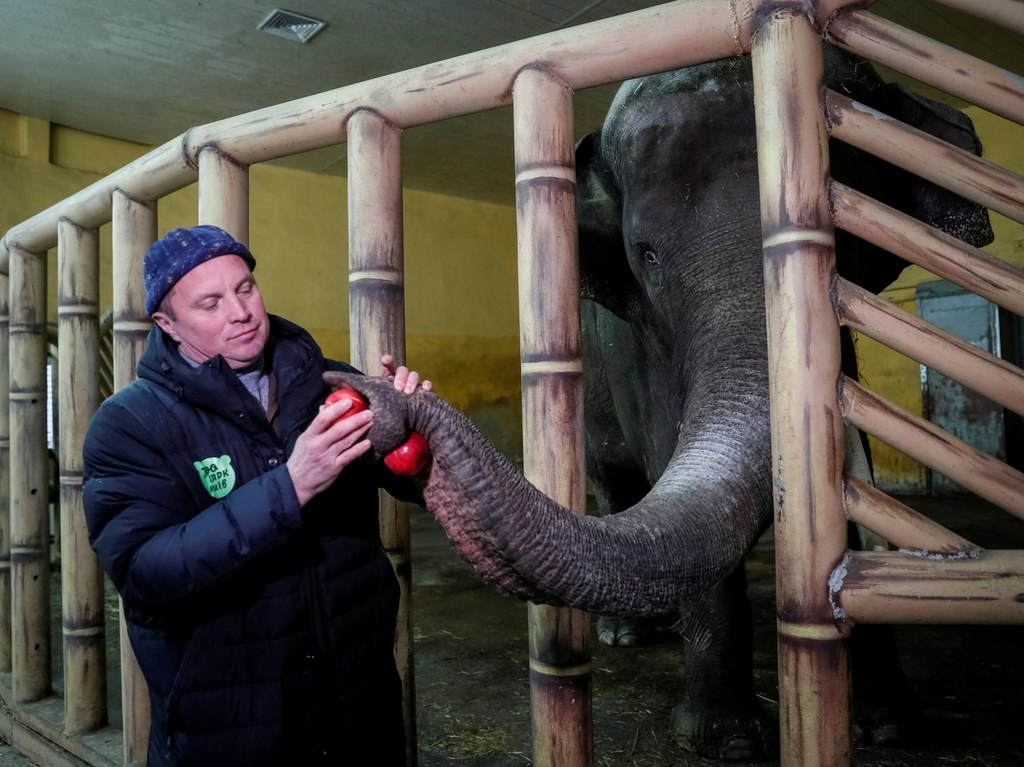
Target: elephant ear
[
  {"x": 605, "y": 276},
  {"x": 870, "y": 266},
  {"x": 932, "y": 204}
]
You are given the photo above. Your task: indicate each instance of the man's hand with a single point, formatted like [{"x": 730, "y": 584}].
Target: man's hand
[
  {"x": 405, "y": 380},
  {"x": 328, "y": 445}
]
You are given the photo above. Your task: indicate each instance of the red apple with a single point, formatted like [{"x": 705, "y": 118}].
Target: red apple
[
  {"x": 409, "y": 458},
  {"x": 358, "y": 403}
]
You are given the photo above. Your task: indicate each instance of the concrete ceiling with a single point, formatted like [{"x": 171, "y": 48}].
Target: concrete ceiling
[{"x": 147, "y": 70}]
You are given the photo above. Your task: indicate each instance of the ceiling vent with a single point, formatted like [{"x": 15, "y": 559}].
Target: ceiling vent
[{"x": 291, "y": 25}]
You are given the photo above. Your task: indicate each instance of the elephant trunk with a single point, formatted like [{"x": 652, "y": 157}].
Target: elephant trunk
[{"x": 641, "y": 561}]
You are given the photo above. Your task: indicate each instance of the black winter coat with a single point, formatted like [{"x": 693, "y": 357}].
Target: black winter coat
[{"x": 265, "y": 632}]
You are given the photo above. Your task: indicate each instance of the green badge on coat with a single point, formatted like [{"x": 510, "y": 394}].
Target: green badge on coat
[{"x": 217, "y": 475}]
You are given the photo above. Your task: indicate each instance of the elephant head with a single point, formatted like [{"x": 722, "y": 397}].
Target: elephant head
[{"x": 671, "y": 272}]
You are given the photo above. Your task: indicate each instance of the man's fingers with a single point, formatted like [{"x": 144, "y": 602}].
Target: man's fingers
[{"x": 350, "y": 454}]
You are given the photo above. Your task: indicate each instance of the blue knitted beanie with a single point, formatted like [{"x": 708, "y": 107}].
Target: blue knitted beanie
[{"x": 180, "y": 251}]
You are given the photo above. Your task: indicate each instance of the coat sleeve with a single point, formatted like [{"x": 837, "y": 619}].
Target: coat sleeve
[{"x": 157, "y": 548}]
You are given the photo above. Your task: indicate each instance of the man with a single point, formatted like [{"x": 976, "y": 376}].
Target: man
[{"x": 239, "y": 524}]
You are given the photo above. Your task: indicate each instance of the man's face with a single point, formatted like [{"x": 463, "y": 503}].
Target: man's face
[{"x": 217, "y": 309}]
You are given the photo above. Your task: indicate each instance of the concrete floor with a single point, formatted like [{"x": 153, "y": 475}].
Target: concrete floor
[{"x": 11, "y": 758}]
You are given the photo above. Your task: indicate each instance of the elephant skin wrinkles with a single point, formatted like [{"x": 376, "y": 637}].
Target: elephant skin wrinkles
[{"x": 489, "y": 510}]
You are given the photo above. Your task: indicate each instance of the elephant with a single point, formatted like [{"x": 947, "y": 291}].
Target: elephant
[{"x": 676, "y": 410}]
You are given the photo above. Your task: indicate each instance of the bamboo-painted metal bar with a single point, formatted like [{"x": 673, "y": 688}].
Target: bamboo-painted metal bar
[
  {"x": 934, "y": 250},
  {"x": 30, "y": 524},
  {"x": 972, "y": 79},
  {"x": 807, "y": 425},
  {"x": 979, "y": 472},
  {"x": 898, "y": 523},
  {"x": 133, "y": 230},
  {"x": 645, "y": 41},
  {"x": 926, "y": 156},
  {"x": 560, "y": 668},
  {"x": 899, "y": 587},
  {"x": 224, "y": 194},
  {"x": 930, "y": 345},
  {"x": 5, "y": 479},
  {"x": 376, "y": 246},
  {"x": 84, "y": 608},
  {"x": 1004, "y": 13}
]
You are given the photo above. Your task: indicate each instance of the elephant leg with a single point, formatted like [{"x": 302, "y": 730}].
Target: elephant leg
[
  {"x": 624, "y": 632},
  {"x": 720, "y": 717},
  {"x": 617, "y": 488},
  {"x": 885, "y": 710}
]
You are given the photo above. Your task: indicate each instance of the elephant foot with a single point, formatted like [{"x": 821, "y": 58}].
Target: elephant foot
[
  {"x": 746, "y": 736},
  {"x": 885, "y": 726},
  {"x": 886, "y": 711},
  {"x": 878, "y": 727},
  {"x": 624, "y": 632}
]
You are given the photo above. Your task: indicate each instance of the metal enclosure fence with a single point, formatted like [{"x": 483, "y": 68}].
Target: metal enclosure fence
[{"x": 823, "y": 588}]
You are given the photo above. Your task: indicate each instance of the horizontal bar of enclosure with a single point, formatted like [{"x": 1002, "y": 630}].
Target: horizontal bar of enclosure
[
  {"x": 898, "y": 523},
  {"x": 1005, "y": 13},
  {"x": 928, "y": 344},
  {"x": 38, "y": 736},
  {"x": 928, "y": 157},
  {"x": 643, "y": 42},
  {"x": 972, "y": 79},
  {"x": 899, "y": 587},
  {"x": 156, "y": 174},
  {"x": 930, "y": 248},
  {"x": 986, "y": 476}
]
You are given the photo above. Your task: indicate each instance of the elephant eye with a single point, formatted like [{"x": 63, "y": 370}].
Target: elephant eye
[{"x": 649, "y": 254}]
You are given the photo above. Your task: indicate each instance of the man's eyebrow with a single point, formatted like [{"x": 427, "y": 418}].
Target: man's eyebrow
[
  {"x": 248, "y": 279},
  {"x": 209, "y": 294}
]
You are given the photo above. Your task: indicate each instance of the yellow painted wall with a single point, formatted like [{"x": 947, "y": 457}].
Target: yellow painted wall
[
  {"x": 461, "y": 275},
  {"x": 897, "y": 377},
  {"x": 460, "y": 256}
]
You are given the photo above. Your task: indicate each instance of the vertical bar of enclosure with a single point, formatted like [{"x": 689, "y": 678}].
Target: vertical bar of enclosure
[
  {"x": 78, "y": 396},
  {"x": 560, "y": 670},
  {"x": 377, "y": 325},
  {"x": 803, "y": 359},
  {"x": 224, "y": 194},
  {"x": 5, "y": 478},
  {"x": 133, "y": 231},
  {"x": 30, "y": 523}
]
